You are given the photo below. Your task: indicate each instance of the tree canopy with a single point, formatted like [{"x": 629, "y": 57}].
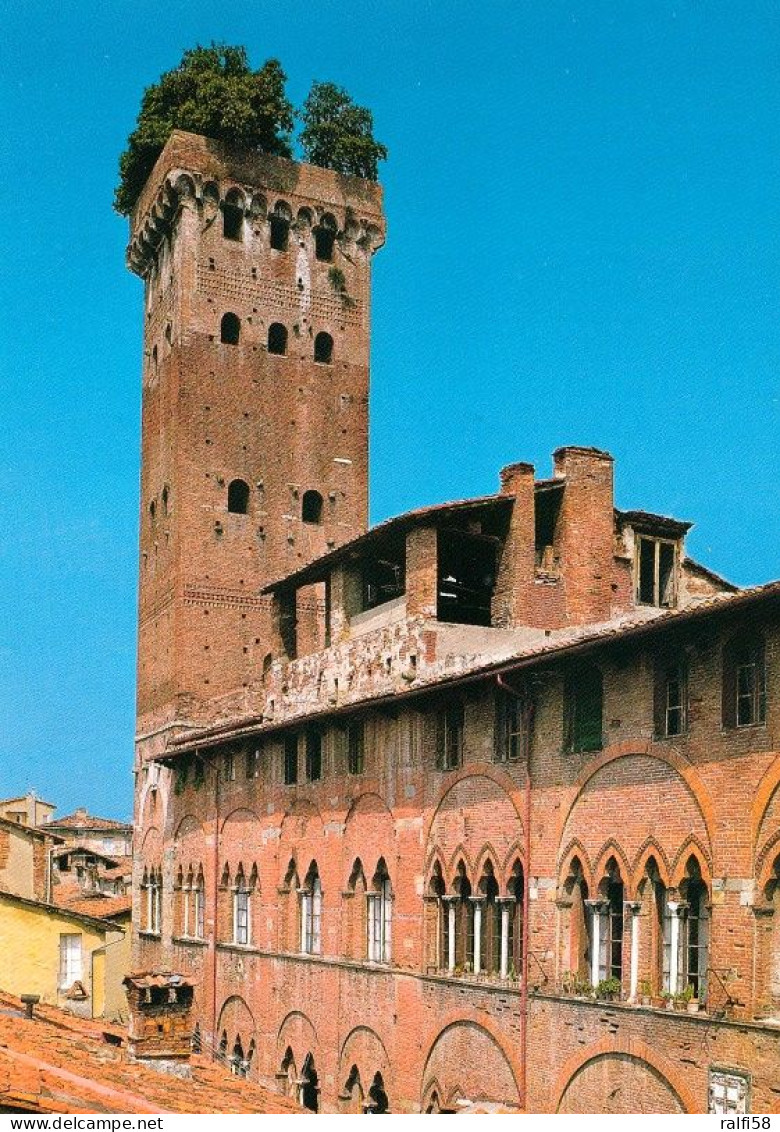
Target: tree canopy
[
  {"x": 213, "y": 91},
  {"x": 338, "y": 134}
]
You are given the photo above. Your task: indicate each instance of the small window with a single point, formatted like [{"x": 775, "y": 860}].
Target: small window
[
  {"x": 449, "y": 737},
  {"x": 70, "y": 960},
  {"x": 671, "y": 697},
  {"x": 311, "y": 507},
  {"x": 290, "y": 760},
  {"x": 313, "y": 756},
  {"x": 253, "y": 762},
  {"x": 230, "y": 329},
  {"x": 280, "y": 232},
  {"x": 356, "y": 755},
  {"x": 744, "y": 681},
  {"x": 311, "y": 912},
  {"x": 324, "y": 240},
  {"x": 584, "y": 709},
  {"x": 513, "y": 714},
  {"x": 277, "y": 338},
  {"x": 655, "y": 573},
  {"x": 232, "y": 222},
  {"x": 323, "y": 348},
  {"x": 238, "y": 497},
  {"x": 729, "y": 1093},
  {"x": 241, "y": 914}
]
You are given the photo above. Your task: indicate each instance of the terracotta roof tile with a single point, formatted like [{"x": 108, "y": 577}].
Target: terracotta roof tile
[
  {"x": 58, "y": 1063},
  {"x": 87, "y": 821}
]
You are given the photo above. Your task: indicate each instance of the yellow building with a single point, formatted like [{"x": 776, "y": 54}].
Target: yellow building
[{"x": 74, "y": 957}]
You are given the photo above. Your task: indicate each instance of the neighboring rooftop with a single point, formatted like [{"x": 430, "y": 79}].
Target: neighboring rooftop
[
  {"x": 56, "y": 1062},
  {"x": 82, "y": 819}
]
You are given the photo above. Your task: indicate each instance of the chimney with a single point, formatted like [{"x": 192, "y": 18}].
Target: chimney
[
  {"x": 515, "y": 574},
  {"x": 587, "y": 532},
  {"x": 160, "y": 1024},
  {"x": 29, "y": 1000}
]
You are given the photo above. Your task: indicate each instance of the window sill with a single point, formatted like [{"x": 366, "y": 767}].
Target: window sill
[
  {"x": 242, "y": 948},
  {"x": 195, "y": 940},
  {"x": 145, "y": 933}
]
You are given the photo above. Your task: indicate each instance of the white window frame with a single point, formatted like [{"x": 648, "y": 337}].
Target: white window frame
[
  {"x": 71, "y": 959},
  {"x": 379, "y": 923},
  {"x": 242, "y": 920},
  {"x": 728, "y": 1092},
  {"x": 311, "y": 918}
]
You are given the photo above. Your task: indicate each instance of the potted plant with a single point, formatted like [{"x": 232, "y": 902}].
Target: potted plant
[
  {"x": 645, "y": 992},
  {"x": 691, "y": 1002},
  {"x": 608, "y": 989},
  {"x": 668, "y": 1000}
]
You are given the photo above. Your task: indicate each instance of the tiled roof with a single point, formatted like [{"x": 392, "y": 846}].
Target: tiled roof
[
  {"x": 88, "y": 821},
  {"x": 98, "y": 904},
  {"x": 56, "y": 1062},
  {"x": 68, "y": 911}
]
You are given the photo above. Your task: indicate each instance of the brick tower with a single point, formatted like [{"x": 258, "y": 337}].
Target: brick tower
[{"x": 254, "y": 413}]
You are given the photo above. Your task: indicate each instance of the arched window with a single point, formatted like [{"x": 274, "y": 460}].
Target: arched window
[
  {"x": 152, "y": 882},
  {"x": 238, "y": 1065},
  {"x": 310, "y": 1088},
  {"x": 199, "y": 906},
  {"x": 241, "y": 910},
  {"x": 277, "y": 338},
  {"x": 238, "y": 497},
  {"x": 289, "y": 1073},
  {"x": 232, "y": 216},
  {"x": 439, "y": 954},
  {"x": 230, "y": 329},
  {"x": 353, "y": 1091},
  {"x": 463, "y": 920},
  {"x": 692, "y": 950},
  {"x": 769, "y": 948},
  {"x": 515, "y": 908},
  {"x": 377, "y": 1097},
  {"x": 323, "y": 348},
  {"x": 311, "y": 912},
  {"x": 279, "y": 221},
  {"x": 575, "y": 927},
  {"x": 487, "y": 924},
  {"x": 606, "y": 927},
  {"x": 311, "y": 507},
  {"x": 380, "y": 915},
  {"x": 324, "y": 238}
]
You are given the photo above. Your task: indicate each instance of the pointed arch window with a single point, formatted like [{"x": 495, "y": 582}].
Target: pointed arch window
[
  {"x": 311, "y": 912},
  {"x": 380, "y": 915},
  {"x": 242, "y": 920}
]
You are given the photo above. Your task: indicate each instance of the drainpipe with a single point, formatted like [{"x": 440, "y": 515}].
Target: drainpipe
[
  {"x": 215, "y": 910},
  {"x": 526, "y": 890}
]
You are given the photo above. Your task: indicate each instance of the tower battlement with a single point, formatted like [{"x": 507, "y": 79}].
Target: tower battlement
[{"x": 204, "y": 171}]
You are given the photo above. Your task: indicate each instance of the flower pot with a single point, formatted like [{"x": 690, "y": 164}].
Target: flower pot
[
  {"x": 669, "y": 1004},
  {"x": 693, "y": 1006},
  {"x": 646, "y": 1000}
]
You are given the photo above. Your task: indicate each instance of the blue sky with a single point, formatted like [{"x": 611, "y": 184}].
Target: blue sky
[{"x": 583, "y": 248}]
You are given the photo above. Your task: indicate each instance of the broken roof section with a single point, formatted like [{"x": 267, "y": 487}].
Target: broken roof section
[{"x": 486, "y": 507}]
